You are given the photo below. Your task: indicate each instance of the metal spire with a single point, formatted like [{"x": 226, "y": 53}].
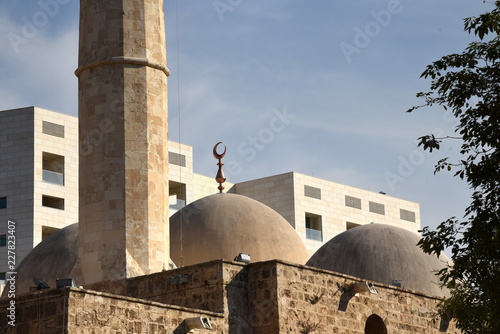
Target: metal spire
[{"x": 220, "y": 177}]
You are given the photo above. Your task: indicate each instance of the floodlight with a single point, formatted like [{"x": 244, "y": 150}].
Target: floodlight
[
  {"x": 40, "y": 284},
  {"x": 397, "y": 282},
  {"x": 364, "y": 287},
  {"x": 242, "y": 257},
  {"x": 62, "y": 282},
  {"x": 190, "y": 324}
]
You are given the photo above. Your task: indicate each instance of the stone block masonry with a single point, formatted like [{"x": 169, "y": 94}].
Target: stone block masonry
[
  {"x": 262, "y": 298},
  {"x": 72, "y": 310},
  {"x": 322, "y": 301},
  {"x": 123, "y": 195}
]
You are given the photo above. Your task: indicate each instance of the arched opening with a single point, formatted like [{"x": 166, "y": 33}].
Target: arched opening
[{"x": 375, "y": 325}]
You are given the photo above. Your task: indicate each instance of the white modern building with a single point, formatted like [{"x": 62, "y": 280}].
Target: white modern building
[
  {"x": 318, "y": 209},
  {"x": 39, "y": 187},
  {"x": 38, "y": 177}
]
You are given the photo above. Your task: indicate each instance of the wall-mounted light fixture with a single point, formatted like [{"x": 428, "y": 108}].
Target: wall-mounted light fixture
[
  {"x": 363, "y": 287},
  {"x": 190, "y": 324},
  {"x": 62, "y": 282},
  {"x": 40, "y": 284},
  {"x": 242, "y": 257},
  {"x": 397, "y": 282}
]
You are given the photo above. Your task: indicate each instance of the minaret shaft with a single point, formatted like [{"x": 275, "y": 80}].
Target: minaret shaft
[{"x": 123, "y": 139}]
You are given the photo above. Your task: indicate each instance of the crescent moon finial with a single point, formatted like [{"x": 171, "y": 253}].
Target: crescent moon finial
[
  {"x": 217, "y": 155},
  {"x": 220, "y": 177}
]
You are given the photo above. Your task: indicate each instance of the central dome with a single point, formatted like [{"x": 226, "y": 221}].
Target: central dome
[{"x": 221, "y": 226}]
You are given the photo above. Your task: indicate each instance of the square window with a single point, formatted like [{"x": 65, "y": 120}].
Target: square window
[
  {"x": 177, "y": 193},
  {"x": 53, "y": 129},
  {"x": 176, "y": 159},
  {"x": 312, "y": 192},
  {"x": 376, "y": 208},
  {"x": 3, "y": 202},
  {"x": 349, "y": 225},
  {"x": 53, "y": 168},
  {"x": 48, "y": 231},
  {"x": 407, "y": 215},
  {"x": 3, "y": 240},
  {"x": 313, "y": 227},
  {"x": 53, "y": 202},
  {"x": 353, "y": 202}
]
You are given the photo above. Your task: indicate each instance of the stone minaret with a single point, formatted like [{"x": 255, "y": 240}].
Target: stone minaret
[{"x": 122, "y": 77}]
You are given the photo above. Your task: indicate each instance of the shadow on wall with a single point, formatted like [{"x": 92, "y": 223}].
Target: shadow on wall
[{"x": 444, "y": 323}]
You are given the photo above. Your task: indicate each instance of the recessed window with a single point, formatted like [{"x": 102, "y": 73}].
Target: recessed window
[
  {"x": 349, "y": 225},
  {"x": 3, "y": 202},
  {"x": 312, "y": 192},
  {"x": 377, "y": 208},
  {"x": 407, "y": 215},
  {"x": 53, "y": 168},
  {"x": 53, "y": 202},
  {"x": 53, "y": 129},
  {"x": 3, "y": 240},
  {"x": 313, "y": 227},
  {"x": 2, "y": 278},
  {"x": 177, "y": 196},
  {"x": 177, "y": 159},
  {"x": 353, "y": 202},
  {"x": 47, "y": 231}
]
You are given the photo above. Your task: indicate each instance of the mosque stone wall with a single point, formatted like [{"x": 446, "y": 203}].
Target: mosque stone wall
[
  {"x": 216, "y": 286},
  {"x": 116, "y": 314},
  {"x": 262, "y": 298},
  {"x": 278, "y": 297},
  {"x": 200, "y": 286},
  {"x": 42, "y": 313},
  {"x": 73, "y": 310},
  {"x": 321, "y": 302}
]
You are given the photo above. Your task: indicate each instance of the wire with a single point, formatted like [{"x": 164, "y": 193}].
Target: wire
[{"x": 182, "y": 194}]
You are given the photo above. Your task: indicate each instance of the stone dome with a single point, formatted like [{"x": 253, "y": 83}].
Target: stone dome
[
  {"x": 55, "y": 257},
  {"x": 221, "y": 226},
  {"x": 382, "y": 253}
]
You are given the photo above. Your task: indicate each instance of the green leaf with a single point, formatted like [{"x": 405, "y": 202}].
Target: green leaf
[{"x": 468, "y": 85}]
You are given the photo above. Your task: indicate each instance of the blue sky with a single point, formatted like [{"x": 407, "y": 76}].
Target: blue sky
[{"x": 319, "y": 88}]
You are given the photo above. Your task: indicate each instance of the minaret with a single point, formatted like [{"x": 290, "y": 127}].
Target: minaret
[{"x": 122, "y": 77}]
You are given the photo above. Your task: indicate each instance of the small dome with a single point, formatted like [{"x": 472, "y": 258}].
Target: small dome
[
  {"x": 382, "y": 253},
  {"x": 53, "y": 258},
  {"x": 221, "y": 226}
]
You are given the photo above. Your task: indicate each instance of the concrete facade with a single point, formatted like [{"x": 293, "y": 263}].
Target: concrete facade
[
  {"x": 292, "y": 195},
  {"x": 38, "y": 177},
  {"x": 320, "y": 209}
]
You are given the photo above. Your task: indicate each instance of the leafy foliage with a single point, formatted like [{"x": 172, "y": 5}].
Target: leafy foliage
[{"x": 468, "y": 85}]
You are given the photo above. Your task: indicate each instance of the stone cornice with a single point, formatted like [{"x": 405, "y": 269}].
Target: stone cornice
[{"x": 122, "y": 60}]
